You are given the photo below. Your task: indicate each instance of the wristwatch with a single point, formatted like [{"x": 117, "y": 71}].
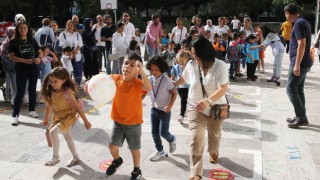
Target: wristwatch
[{"x": 210, "y": 101}]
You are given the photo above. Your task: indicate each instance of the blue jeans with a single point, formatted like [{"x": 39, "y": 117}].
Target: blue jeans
[
  {"x": 152, "y": 52},
  {"x": 160, "y": 122},
  {"x": 233, "y": 67},
  {"x": 77, "y": 71},
  {"x": 295, "y": 91},
  {"x": 107, "y": 63}
]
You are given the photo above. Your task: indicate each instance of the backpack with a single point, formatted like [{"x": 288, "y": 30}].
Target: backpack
[
  {"x": 233, "y": 52},
  {"x": 57, "y": 47},
  {"x": 243, "y": 51},
  {"x": 282, "y": 40},
  {"x": 45, "y": 40},
  {"x": 79, "y": 100}
]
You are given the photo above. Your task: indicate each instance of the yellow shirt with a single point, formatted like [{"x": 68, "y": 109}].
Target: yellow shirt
[{"x": 286, "y": 28}]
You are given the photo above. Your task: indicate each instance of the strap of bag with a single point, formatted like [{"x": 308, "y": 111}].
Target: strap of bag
[
  {"x": 204, "y": 93},
  {"x": 180, "y": 35}
]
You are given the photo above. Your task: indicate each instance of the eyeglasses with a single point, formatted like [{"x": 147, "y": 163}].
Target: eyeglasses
[{"x": 125, "y": 15}]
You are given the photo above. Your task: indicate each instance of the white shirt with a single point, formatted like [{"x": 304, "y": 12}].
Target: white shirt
[
  {"x": 66, "y": 63},
  {"x": 118, "y": 45},
  {"x": 235, "y": 23},
  {"x": 130, "y": 32},
  {"x": 44, "y": 30},
  {"x": 211, "y": 29},
  {"x": 216, "y": 76},
  {"x": 73, "y": 40},
  {"x": 97, "y": 35},
  {"x": 274, "y": 41},
  {"x": 177, "y": 34},
  {"x": 221, "y": 30}
]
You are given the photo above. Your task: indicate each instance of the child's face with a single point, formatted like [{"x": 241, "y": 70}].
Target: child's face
[
  {"x": 137, "y": 33},
  {"x": 225, "y": 38},
  {"x": 183, "y": 61},
  {"x": 130, "y": 68},
  {"x": 252, "y": 41},
  {"x": 155, "y": 71},
  {"x": 164, "y": 34},
  {"x": 67, "y": 53},
  {"x": 46, "y": 52},
  {"x": 216, "y": 39},
  {"x": 56, "y": 83},
  {"x": 171, "y": 46}
]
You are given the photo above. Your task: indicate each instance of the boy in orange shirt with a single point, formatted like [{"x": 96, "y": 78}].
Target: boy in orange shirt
[{"x": 127, "y": 113}]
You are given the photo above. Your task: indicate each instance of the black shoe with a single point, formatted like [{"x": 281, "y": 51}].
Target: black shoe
[
  {"x": 277, "y": 82},
  {"x": 298, "y": 122},
  {"x": 136, "y": 175},
  {"x": 270, "y": 80},
  {"x": 240, "y": 74},
  {"x": 115, "y": 164}
]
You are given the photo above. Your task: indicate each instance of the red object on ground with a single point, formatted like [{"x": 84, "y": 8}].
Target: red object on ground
[
  {"x": 105, "y": 164},
  {"x": 220, "y": 174}
]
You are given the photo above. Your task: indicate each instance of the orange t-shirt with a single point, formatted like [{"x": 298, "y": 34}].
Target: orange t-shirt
[{"x": 127, "y": 102}]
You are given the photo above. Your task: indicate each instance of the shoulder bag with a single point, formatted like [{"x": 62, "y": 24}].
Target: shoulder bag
[{"x": 217, "y": 111}]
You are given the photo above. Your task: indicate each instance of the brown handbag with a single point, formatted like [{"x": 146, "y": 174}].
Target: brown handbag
[{"x": 217, "y": 111}]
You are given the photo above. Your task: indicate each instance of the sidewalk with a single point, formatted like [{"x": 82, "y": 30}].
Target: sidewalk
[{"x": 256, "y": 143}]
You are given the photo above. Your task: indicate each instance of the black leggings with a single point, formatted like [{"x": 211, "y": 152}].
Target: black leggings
[{"x": 183, "y": 93}]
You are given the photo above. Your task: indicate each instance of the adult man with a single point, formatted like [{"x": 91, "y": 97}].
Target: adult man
[
  {"x": 101, "y": 46},
  {"x": 106, "y": 36},
  {"x": 153, "y": 37},
  {"x": 210, "y": 27},
  {"x": 286, "y": 28},
  {"x": 300, "y": 63},
  {"x": 129, "y": 29},
  {"x": 78, "y": 26},
  {"x": 235, "y": 24}
]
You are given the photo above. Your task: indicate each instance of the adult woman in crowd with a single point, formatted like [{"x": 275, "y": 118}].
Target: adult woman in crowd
[
  {"x": 74, "y": 40},
  {"x": 178, "y": 34},
  {"x": 25, "y": 52},
  {"x": 213, "y": 75},
  {"x": 198, "y": 26},
  {"x": 119, "y": 48},
  {"x": 8, "y": 66},
  {"x": 222, "y": 28},
  {"x": 247, "y": 28},
  {"x": 90, "y": 50}
]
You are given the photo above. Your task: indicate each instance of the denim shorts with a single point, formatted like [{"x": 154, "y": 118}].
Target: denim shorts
[{"x": 132, "y": 133}]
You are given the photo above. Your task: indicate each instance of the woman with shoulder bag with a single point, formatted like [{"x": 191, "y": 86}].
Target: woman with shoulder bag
[
  {"x": 8, "y": 66},
  {"x": 178, "y": 34},
  {"x": 26, "y": 53},
  {"x": 73, "y": 39},
  {"x": 208, "y": 81}
]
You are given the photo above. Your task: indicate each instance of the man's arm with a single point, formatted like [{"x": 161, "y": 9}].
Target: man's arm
[{"x": 300, "y": 53}]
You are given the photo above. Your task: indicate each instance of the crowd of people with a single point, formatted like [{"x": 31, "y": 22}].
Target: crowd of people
[{"x": 192, "y": 61}]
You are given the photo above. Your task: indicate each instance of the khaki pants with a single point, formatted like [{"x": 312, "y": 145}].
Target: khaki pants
[{"x": 198, "y": 122}]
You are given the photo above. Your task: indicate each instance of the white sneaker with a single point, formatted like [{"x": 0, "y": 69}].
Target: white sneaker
[
  {"x": 15, "y": 121},
  {"x": 157, "y": 155},
  {"x": 181, "y": 119},
  {"x": 73, "y": 162},
  {"x": 172, "y": 145},
  {"x": 33, "y": 114}
]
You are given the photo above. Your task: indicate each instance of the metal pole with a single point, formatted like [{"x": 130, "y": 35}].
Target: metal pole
[
  {"x": 317, "y": 18},
  {"x": 115, "y": 16}
]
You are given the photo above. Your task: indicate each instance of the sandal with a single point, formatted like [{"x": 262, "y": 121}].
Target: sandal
[
  {"x": 214, "y": 158},
  {"x": 52, "y": 162},
  {"x": 73, "y": 162}
]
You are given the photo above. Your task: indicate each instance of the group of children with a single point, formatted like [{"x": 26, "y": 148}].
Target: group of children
[{"x": 126, "y": 109}]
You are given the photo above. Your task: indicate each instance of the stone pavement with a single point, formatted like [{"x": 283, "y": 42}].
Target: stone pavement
[{"x": 256, "y": 143}]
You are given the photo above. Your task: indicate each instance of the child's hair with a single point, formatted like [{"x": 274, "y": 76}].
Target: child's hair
[
  {"x": 44, "y": 48},
  {"x": 67, "y": 49},
  {"x": 133, "y": 44},
  {"x": 250, "y": 37},
  {"x": 158, "y": 61},
  {"x": 216, "y": 35},
  {"x": 235, "y": 36},
  {"x": 225, "y": 35},
  {"x": 182, "y": 55},
  {"x": 164, "y": 31},
  {"x": 59, "y": 73},
  {"x": 133, "y": 57}
]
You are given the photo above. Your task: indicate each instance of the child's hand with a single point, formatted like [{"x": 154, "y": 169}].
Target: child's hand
[
  {"x": 167, "y": 108},
  {"x": 140, "y": 67},
  {"x": 87, "y": 125},
  {"x": 45, "y": 122}
]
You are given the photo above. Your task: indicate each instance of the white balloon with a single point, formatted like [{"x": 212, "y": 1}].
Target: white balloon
[{"x": 101, "y": 88}]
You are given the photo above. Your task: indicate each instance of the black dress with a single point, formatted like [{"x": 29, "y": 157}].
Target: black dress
[{"x": 90, "y": 50}]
